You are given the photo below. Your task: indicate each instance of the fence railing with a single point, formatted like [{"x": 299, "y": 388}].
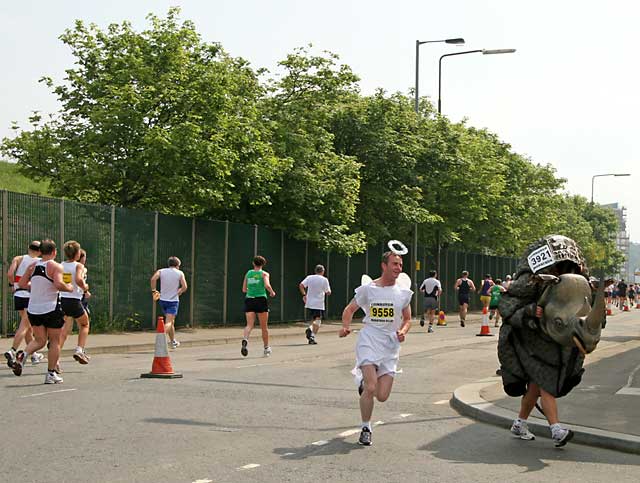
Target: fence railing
[{"x": 124, "y": 247}]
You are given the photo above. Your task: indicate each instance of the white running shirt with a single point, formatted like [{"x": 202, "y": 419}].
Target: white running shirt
[
  {"x": 429, "y": 284},
  {"x": 317, "y": 286},
  {"x": 44, "y": 295},
  {"x": 169, "y": 284},
  {"x": 69, "y": 276},
  {"x": 24, "y": 264}
]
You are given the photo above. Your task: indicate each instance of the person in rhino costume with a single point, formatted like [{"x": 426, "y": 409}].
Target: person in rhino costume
[{"x": 548, "y": 327}]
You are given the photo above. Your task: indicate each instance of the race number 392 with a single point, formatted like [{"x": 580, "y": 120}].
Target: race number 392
[{"x": 540, "y": 258}]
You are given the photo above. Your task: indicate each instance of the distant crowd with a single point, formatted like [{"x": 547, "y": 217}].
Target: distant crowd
[{"x": 622, "y": 293}]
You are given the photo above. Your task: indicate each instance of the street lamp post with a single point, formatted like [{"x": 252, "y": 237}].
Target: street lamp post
[
  {"x": 455, "y": 41},
  {"x": 484, "y": 52},
  {"x": 593, "y": 178}
]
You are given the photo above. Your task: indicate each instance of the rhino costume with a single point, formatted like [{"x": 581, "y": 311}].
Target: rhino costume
[{"x": 549, "y": 351}]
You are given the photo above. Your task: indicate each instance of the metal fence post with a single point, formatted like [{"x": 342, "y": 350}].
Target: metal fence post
[
  {"x": 192, "y": 291},
  {"x": 225, "y": 284},
  {"x": 281, "y": 275},
  {"x": 62, "y": 225},
  {"x": 255, "y": 240},
  {"x": 112, "y": 262},
  {"x": 5, "y": 261},
  {"x": 155, "y": 263}
]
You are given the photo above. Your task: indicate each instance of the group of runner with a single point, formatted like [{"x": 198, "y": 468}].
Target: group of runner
[
  {"x": 620, "y": 294},
  {"x": 490, "y": 293},
  {"x": 49, "y": 296}
]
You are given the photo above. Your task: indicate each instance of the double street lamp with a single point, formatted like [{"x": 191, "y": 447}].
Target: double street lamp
[
  {"x": 593, "y": 178},
  {"x": 454, "y": 41}
]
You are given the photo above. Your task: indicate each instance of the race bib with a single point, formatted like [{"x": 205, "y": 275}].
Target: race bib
[
  {"x": 381, "y": 313},
  {"x": 540, "y": 258},
  {"x": 66, "y": 277}
]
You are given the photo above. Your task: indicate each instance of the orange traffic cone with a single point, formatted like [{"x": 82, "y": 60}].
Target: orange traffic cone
[
  {"x": 484, "y": 328},
  {"x": 609, "y": 310},
  {"x": 638, "y": 305},
  {"x": 441, "y": 318},
  {"x": 625, "y": 306},
  {"x": 161, "y": 367}
]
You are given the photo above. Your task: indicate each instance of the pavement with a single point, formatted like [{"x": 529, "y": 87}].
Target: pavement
[{"x": 602, "y": 410}]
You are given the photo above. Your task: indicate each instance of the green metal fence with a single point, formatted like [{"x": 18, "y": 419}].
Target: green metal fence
[{"x": 124, "y": 248}]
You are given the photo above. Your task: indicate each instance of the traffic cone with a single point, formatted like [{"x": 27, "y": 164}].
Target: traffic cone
[
  {"x": 441, "y": 318},
  {"x": 161, "y": 367},
  {"x": 484, "y": 328},
  {"x": 609, "y": 310},
  {"x": 625, "y": 306},
  {"x": 638, "y": 305}
]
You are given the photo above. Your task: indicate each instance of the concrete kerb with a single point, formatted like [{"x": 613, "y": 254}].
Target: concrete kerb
[{"x": 468, "y": 402}]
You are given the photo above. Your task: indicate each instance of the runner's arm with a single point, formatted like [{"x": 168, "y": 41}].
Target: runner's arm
[
  {"x": 406, "y": 323},
  {"x": 56, "y": 276},
  {"x": 26, "y": 277},
  {"x": 15, "y": 263},
  {"x": 80, "y": 282},
  {"x": 267, "y": 284},
  {"x": 183, "y": 284},
  {"x": 154, "y": 279},
  {"x": 347, "y": 317}
]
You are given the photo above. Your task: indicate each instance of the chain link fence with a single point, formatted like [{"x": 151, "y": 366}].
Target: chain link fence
[{"x": 124, "y": 247}]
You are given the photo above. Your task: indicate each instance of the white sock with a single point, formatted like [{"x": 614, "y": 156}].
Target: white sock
[
  {"x": 366, "y": 424},
  {"x": 79, "y": 349}
]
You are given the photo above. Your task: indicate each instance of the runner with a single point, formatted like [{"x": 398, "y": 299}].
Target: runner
[
  {"x": 71, "y": 302},
  {"x": 313, "y": 289},
  {"x": 44, "y": 278},
  {"x": 432, "y": 290},
  {"x": 21, "y": 300},
  {"x": 256, "y": 285},
  {"x": 172, "y": 285},
  {"x": 463, "y": 286},
  {"x": 485, "y": 296},
  {"x": 496, "y": 294},
  {"x": 386, "y": 323}
]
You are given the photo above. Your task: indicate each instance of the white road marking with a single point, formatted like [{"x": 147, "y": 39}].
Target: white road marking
[
  {"x": 350, "y": 432},
  {"x": 203, "y": 481},
  {"x": 49, "y": 392},
  {"x": 320, "y": 443},
  {"x": 628, "y": 390},
  {"x": 442, "y": 401},
  {"x": 405, "y": 415},
  {"x": 249, "y": 466},
  {"x": 378, "y": 423},
  {"x": 288, "y": 454}
]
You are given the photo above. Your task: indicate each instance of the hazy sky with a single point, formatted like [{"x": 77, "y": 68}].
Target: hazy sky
[{"x": 568, "y": 96}]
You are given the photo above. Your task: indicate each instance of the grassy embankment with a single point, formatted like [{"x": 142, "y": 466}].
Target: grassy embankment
[{"x": 11, "y": 179}]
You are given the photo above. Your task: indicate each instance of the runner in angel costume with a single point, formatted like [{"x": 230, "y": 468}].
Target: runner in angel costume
[{"x": 386, "y": 304}]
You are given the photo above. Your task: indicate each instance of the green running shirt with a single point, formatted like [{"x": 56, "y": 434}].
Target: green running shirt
[{"x": 255, "y": 284}]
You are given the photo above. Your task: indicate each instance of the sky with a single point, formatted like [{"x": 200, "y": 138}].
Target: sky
[{"x": 567, "y": 97}]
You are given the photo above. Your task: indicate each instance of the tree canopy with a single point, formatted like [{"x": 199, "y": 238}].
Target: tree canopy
[{"x": 163, "y": 120}]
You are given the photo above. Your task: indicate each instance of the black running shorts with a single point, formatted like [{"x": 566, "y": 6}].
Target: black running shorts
[
  {"x": 72, "y": 307},
  {"x": 256, "y": 304},
  {"x": 20, "y": 303},
  {"x": 51, "y": 320}
]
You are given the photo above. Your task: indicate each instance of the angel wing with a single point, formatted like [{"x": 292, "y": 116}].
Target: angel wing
[
  {"x": 404, "y": 281},
  {"x": 365, "y": 279}
]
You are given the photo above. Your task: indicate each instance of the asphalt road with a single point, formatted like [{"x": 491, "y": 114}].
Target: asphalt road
[{"x": 290, "y": 417}]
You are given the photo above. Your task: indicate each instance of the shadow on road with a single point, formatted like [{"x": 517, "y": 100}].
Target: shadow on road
[{"x": 484, "y": 444}]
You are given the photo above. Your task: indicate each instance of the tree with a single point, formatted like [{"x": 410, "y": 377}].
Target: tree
[{"x": 157, "y": 120}]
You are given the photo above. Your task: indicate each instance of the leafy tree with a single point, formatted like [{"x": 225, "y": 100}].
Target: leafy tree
[
  {"x": 319, "y": 190},
  {"x": 157, "y": 120}
]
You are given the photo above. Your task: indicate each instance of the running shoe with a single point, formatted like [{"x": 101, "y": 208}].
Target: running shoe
[
  {"x": 521, "y": 430},
  {"x": 561, "y": 437},
  {"x": 309, "y": 334},
  {"x": 17, "y": 365},
  {"x": 267, "y": 351},
  {"x": 462, "y": 323},
  {"x": 36, "y": 358},
  {"x": 312, "y": 341},
  {"x": 421, "y": 321},
  {"x": 81, "y": 357},
  {"x": 175, "y": 344},
  {"x": 430, "y": 329},
  {"x": 11, "y": 358},
  {"x": 244, "y": 351},
  {"x": 52, "y": 378},
  {"x": 365, "y": 437}
]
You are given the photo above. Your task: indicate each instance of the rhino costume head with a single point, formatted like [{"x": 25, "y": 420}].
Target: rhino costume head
[{"x": 569, "y": 317}]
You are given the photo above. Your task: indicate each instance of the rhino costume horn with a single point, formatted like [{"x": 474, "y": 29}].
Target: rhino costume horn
[{"x": 596, "y": 319}]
